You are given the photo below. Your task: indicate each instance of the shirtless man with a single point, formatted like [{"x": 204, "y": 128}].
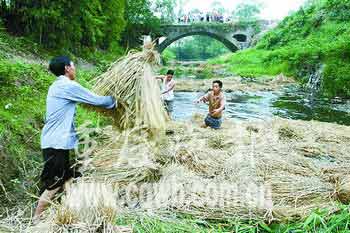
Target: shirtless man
[{"x": 216, "y": 100}]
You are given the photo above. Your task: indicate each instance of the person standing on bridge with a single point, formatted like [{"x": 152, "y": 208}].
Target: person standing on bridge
[{"x": 168, "y": 87}]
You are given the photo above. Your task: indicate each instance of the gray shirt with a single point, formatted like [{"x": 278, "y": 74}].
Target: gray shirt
[{"x": 59, "y": 130}]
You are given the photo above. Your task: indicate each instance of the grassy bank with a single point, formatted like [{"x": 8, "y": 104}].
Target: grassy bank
[{"x": 315, "y": 36}]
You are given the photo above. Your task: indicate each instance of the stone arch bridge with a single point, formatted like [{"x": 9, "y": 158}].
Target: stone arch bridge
[{"x": 233, "y": 36}]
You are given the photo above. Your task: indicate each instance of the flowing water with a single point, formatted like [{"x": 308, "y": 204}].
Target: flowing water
[{"x": 291, "y": 102}]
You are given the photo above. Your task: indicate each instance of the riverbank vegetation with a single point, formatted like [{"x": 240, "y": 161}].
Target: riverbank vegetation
[{"x": 316, "y": 37}]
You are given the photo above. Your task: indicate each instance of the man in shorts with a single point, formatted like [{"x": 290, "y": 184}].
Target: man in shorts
[
  {"x": 58, "y": 135},
  {"x": 216, "y": 100}
]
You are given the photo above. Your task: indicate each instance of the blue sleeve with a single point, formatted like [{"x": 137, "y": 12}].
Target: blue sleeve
[{"x": 80, "y": 94}]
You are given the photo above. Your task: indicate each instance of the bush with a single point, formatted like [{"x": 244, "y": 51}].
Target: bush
[
  {"x": 336, "y": 81},
  {"x": 168, "y": 56}
]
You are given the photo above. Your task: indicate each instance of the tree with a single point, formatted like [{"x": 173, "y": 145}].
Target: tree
[
  {"x": 64, "y": 24},
  {"x": 115, "y": 22},
  {"x": 218, "y": 7},
  {"x": 247, "y": 11},
  {"x": 180, "y": 11},
  {"x": 165, "y": 9},
  {"x": 140, "y": 21}
]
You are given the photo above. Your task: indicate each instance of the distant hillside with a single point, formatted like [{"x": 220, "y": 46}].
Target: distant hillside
[{"x": 316, "y": 38}]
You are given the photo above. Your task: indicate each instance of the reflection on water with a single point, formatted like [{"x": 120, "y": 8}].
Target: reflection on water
[
  {"x": 291, "y": 102},
  {"x": 296, "y": 103}
]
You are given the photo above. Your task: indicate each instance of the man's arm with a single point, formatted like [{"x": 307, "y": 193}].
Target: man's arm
[
  {"x": 80, "y": 94},
  {"x": 161, "y": 77},
  {"x": 204, "y": 98}
]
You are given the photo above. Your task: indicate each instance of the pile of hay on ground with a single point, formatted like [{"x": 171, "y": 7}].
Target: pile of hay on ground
[{"x": 236, "y": 172}]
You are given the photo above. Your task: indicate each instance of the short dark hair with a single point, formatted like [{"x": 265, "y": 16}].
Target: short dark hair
[
  {"x": 57, "y": 65},
  {"x": 218, "y": 82},
  {"x": 170, "y": 72}
]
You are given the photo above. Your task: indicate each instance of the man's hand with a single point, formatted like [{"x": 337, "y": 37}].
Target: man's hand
[
  {"x": 215, "y": 112},
  {"x": 104, "y": 111}
]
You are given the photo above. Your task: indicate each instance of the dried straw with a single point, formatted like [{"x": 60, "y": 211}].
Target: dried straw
[
  {"x": 237, "y": 172},
  {"x": 131, "y": 81}
]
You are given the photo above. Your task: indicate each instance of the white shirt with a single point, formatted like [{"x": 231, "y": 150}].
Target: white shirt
[{"x": 166, "y": 86}]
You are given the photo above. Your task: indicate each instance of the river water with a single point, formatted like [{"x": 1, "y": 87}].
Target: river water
[{"x": 292, "y": 102}]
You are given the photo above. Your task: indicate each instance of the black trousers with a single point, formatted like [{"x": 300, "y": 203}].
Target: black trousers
[{"x": 57, "y": 169}]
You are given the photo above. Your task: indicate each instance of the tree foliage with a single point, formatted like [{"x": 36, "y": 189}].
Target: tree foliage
[
  {"x": 66, "y": 24},
  {"x": 140, "y": 21},
  {"x": 165, "y": 10},
  {"x": 247, "y": 11},
  {"x": 197, "y": 48},
  {"x": 218, "y": 7}
]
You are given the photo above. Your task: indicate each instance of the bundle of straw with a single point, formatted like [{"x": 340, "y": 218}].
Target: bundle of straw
[
  {"x": 182, "y": 191},
  {"x": 131, "y": 81}
]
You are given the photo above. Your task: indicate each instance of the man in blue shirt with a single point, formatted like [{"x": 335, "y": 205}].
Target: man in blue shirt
[{"x": 59, "y": 135}]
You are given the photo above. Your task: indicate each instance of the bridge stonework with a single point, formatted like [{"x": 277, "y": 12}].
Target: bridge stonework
[{"x": 233, "y": 37}]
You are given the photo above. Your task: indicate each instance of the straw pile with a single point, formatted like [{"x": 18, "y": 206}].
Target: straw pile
[
  {"x": 273, "y": 171},
  {"x": 270, "y": 170},
  {"x": 131, "y": 81},
  {"x": 343, "y": 189}
]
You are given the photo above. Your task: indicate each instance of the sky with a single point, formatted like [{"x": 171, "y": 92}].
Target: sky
[{"x": 273, "y": 9}]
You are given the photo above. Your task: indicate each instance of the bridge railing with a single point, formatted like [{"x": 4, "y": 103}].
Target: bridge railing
[{"x": 229, "y": 22}]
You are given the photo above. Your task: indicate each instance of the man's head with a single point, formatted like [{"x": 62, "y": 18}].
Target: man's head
[
  {"x": 62, "y": 65},
  {"x": 169, "y": 75},
  {"x": 217, "y": 85}
]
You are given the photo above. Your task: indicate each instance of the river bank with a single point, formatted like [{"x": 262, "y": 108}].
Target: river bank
[{"x": 234, "y": 83}]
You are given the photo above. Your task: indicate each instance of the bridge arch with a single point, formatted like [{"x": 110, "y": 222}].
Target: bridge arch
[
  {"x": 229, "y": 43},
  {"x": 240, "y": 37}
]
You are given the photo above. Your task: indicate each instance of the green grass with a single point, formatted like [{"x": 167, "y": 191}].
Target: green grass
[
  {"x": 320, "y": 221},
  {"x": 251, "y": 62}
]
